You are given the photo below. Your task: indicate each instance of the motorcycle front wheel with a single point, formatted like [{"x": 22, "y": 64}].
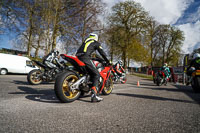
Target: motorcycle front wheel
[
  {"x": 62, "y": 87},
  {"x": 158, "y": 81},
  {"x": 107, "y": 90},
  {"x": 34, "y": 77},
  {"x": 123, "y": 80}
]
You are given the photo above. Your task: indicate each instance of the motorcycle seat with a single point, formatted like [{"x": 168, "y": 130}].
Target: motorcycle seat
[{"x": 72, "y": 59}]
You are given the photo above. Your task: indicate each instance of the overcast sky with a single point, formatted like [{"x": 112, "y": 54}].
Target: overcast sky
[{"x": 184, "y": 14}]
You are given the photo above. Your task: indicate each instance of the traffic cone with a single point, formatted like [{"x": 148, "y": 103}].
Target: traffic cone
[{"x": 138, "y": 83}]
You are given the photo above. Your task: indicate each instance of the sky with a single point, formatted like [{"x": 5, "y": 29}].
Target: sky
[{"x": 184, "y": 14}]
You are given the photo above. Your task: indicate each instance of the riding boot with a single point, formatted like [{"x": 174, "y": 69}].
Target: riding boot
[{"x": 94, "y": 97}]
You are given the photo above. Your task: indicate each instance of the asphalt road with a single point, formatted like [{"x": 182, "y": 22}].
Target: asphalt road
[{"x": 130, "y": 108}]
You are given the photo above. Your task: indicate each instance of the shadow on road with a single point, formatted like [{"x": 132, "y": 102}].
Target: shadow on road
[
  {"x": 82, "y": 100},
  {"x": 47, "y": 96},
  {"x": 189, "y": 92},
  {"x": 166, "y": 88},
  {"x": 26, "y": 82},
  {"x": 179, "y": 88},
  {"x": 20, "y": 82},
  {"x": 154, "y": 97},
  {"x": 152, "y": 86}
]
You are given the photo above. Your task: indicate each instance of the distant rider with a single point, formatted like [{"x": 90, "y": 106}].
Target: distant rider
[
  {"x": 118, "y": 68},
  {"x": 84, "y": 53},
  {"x": 166, "y": 71},
  {"x": 194, "y": 65},
  {"x": 51, "y": 60}
]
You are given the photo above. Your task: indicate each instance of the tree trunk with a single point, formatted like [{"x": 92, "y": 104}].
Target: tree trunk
[
  {"x": 29, "y": 44},
  {"x": 55, "y": 30},
  {"x": 38, "y": 47},
  {"x": 30, "y": 33}
]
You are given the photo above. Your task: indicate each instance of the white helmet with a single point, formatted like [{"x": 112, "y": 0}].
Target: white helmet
[
  {"x": 196, "y": 55},
  {"x": 94, "y": 36},
  {"x": 120, "y": 62},
  {"x": 165, "y": 64}
]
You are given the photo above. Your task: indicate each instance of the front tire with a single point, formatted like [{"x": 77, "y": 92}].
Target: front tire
[
  {"x": 62, "y": 87},
  {"x": 34, "y": 77},
  {"x": 158, "y": 81},
  {"x": 154, "y": 80},
  {"x": 107, "y": 90},
  {"x": 124, "y": 79}
]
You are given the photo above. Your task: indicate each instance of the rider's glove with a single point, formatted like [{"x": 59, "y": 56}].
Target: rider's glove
[{"x": 109, "y": 62}]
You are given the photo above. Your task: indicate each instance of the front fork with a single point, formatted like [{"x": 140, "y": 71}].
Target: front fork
[{"x": 103, "y": 83}]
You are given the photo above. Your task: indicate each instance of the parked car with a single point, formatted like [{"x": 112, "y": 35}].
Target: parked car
[{"x": 15, "y": 64}]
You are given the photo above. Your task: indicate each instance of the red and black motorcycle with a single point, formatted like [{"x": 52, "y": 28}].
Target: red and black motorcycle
[
  {"x": 76, "y": 81},
  {"x": 159, "y": 78}
]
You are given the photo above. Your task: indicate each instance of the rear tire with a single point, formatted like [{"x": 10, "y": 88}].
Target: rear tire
[
  {"x": 62, "y": 89},
  {"x": 3, "y": 71},
  {"x": 196, "y": 84},
  {"x": 33, "y": 77}
]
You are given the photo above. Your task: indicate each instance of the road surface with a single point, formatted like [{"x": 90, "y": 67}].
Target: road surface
[{"x": 130, "y": 108}]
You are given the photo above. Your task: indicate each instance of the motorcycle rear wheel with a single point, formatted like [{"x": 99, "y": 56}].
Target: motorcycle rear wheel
[
  {"x": 196, "y": 84},
  {"x": 107, "y": 90},
  {"x": 34, "y": 77},
  {"x": 62, "y": 87}
]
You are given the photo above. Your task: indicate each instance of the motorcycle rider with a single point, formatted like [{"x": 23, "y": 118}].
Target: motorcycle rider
[
  {"x": 117, "y": 67},
  {"x": 166, "y": 71},
  {"x": 194, "y": 65},
  {"x": 51, "y": 60},
  {"x": 84, "y": 53}
]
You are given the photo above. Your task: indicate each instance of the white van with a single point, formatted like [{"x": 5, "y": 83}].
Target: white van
[{"x": 15, "y": 64}]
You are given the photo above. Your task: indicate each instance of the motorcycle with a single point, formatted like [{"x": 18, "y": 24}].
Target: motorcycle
[
  {"x": 72, "y": 83},
  {"x": 196, "y": 81},
  {"x": 159, "y": 78},
  {"x": 117, "y": 78},
  {"x": 45, "y": 73}
]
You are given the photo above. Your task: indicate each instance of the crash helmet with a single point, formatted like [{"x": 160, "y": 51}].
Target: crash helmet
[
  {"x": 120, "y": 62},
  {"x": 93, "y": 36},
  {"x": 165, "y": 65},
  {"x": 56, "y": 52},
  {"x": 196, "y": 55}
]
